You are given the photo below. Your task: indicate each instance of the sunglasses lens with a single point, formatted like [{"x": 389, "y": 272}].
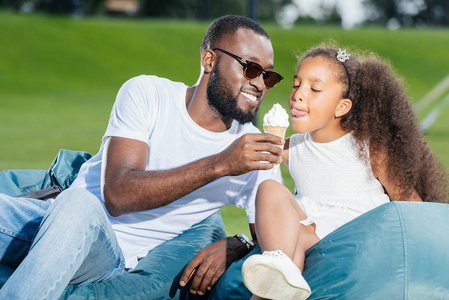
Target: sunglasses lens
[
  {"x": 253, "y": 70},
  {"x": 271, "y": 78}
]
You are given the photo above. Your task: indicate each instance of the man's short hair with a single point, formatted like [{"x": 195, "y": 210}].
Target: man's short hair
[{"x": 225, "y": 26}]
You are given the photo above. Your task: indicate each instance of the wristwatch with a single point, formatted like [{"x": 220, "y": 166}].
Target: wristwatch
[{"x": 245, "y": 240}]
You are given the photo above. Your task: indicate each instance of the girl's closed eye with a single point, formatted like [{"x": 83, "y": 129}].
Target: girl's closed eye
[{"x": 296, "y": 82}]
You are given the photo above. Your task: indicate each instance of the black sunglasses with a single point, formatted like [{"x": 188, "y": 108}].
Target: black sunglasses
[{"x": 253, "y": 70}]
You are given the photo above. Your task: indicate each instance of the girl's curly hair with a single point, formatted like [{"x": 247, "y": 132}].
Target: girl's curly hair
[{"x": 383, "y": 119}]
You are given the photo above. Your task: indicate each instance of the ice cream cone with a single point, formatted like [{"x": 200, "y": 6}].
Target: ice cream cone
[{"x": 275, "y": 130}]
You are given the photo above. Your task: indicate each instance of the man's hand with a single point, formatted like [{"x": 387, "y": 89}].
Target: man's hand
[
  {"x": 206, "y": 268},
  {"x": 250, "y": 152}
]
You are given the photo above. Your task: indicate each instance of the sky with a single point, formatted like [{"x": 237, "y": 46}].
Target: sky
[{"x": 352, "y": 12}]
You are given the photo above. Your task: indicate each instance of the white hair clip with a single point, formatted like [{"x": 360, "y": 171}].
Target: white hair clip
[{"x": 342, "y": 55}]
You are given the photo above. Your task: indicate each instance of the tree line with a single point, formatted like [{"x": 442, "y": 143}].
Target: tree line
[{"x": 404, "y": 12}]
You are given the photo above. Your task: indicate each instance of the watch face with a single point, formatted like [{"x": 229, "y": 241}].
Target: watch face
[{"x": 245, "y": 240}]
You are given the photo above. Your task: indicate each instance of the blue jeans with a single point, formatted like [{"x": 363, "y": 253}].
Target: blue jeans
[{"x": 54, "y": 244}]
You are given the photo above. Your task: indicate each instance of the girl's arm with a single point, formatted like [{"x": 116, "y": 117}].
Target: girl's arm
[
  {"x": 285, "y": 151},
  {"x": 394, "y": 190}
]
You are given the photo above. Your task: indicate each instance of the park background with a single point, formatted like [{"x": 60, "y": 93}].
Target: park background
[{"x": 61, "y": 69}]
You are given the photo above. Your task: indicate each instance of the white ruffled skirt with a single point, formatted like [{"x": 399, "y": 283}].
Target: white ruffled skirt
[{"x": 330, "y": 215}]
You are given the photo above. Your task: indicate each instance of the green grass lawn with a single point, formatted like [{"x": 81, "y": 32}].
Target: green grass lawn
[{"x": 59, "y": 77}]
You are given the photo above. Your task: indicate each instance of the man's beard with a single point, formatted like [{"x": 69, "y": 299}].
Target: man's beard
[{"x": 221, "y": 99}]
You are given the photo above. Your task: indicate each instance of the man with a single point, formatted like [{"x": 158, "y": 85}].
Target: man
[{"x": 171, "y": 156}]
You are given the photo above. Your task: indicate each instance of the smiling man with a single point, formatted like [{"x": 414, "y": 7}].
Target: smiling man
[{"x": 172, "y": 155}]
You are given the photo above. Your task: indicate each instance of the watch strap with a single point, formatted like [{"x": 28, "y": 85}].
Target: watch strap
[{"x": 245, "y": 240}]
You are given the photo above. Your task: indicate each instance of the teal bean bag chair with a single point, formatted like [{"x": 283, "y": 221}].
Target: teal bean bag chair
[
  {"x": 155, "y": 277},
  {"x": 62, "y": 172},
  {"x": 396, "y": 251}
]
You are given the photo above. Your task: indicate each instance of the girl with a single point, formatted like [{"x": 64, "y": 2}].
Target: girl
[{"x": 358, "y": 146}]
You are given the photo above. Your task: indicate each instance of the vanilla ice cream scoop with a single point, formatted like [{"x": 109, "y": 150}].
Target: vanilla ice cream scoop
[{"x": 275, "y": 121}]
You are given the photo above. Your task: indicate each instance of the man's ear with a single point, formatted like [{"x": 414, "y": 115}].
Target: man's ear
[
  {"x": 343, "y": 107},
  {"x": 208, "y": 59}
]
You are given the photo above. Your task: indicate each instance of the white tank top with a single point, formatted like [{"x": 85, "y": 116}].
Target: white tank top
[{"x": 333, "y": 184}]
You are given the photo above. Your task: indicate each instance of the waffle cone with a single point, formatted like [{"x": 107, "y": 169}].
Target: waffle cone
[{"x": 276, "y": 130}]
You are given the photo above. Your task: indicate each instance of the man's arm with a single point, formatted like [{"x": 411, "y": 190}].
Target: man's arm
[{"x": 128, "y": 187}]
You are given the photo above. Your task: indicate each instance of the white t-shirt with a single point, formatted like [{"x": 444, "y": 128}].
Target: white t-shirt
[{"x": 153, "y": 110}]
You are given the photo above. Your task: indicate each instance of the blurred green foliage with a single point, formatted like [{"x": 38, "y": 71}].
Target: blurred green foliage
[
  {"x": 400, "y": 12},
  {"x": 59, "y": 76}
]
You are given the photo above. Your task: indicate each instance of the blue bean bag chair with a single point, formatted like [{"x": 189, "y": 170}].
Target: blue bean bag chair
[
  {"x": 155, "y": 277},
  {"x": 61, "y": 173},
  {"x": 396, "y": 251}
]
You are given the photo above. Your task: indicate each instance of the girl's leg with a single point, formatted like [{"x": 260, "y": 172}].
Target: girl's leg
[
  {"x": 277, "y": 223},
  {"x": 307, "y": 239},
  {"x": 277, "y": 274}
]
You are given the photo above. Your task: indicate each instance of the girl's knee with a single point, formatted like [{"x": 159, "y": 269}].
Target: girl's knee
[
  {"x": 269, "y": 186},
  {"x": 272, "y": 194}
]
